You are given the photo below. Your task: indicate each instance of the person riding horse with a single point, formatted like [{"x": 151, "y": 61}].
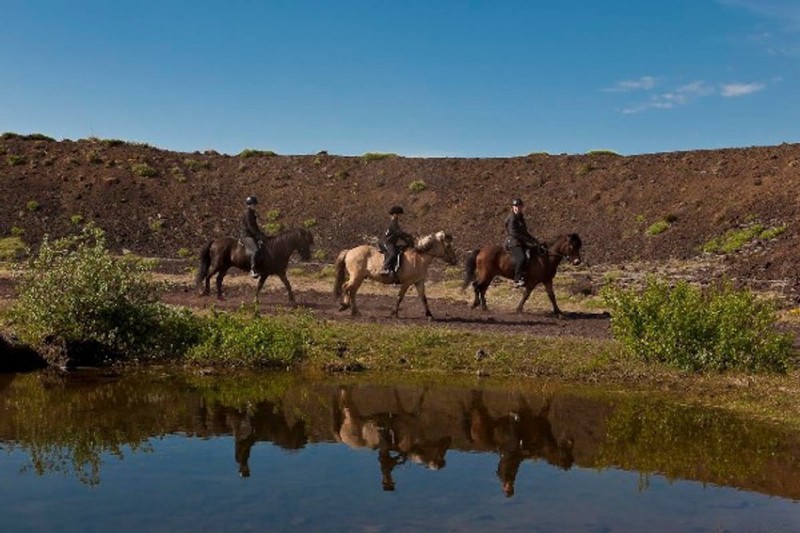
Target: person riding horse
[
  {"x": 250, "y": 233},
  {"x": 390, "y": 241},
  {"x": 518, "y": 241}
]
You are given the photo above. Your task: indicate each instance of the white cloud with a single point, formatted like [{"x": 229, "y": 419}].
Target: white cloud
[
  {"x": 732, "y": 90},
  {"x": 645, "y": 83},
  {"x": 680, "y": 96}
]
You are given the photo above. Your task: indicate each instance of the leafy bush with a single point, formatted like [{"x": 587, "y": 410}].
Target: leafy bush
[
  {"x": 417, "y": 186},
  {"x": 716, "y": 329},
  {"x": 249, "y": 152},
  {"x": 236, "y": 339},
  {"x": 194, "y": 164},
  {"x": 32, "y": 205},
  {"x": 16, "y": 160},
  {"x": 733, "y": 240},
  {"x": 657, "y": 228},
  {"x": 144, "y": 170},
  {"x": 104, "y": 309},
  {"x": 309, "y": 223},
  {"x": 602, "y": 151},
  {"x": 377, "y": 156},
  {"x": 76, "y": 219},
  {"x": 11, "y": 248}
]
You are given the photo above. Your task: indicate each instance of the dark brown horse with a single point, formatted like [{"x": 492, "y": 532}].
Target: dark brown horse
[
  {"x": 221, "y": 254},
  {"x": 484, "y": 264}
]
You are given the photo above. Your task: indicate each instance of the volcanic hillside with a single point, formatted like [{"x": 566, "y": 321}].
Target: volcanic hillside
[{"x": 627, "y": 209}]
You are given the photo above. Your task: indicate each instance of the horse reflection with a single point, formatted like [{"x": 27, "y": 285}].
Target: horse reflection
[
  {"x": 522, "y": 434},
  {"x": 399, "y": 435},
  {"x": 262, "y": 423}
]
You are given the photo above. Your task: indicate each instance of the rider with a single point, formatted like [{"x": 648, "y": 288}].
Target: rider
[
  {"x": 518, "y": 241},
  {"x": 391, "y": 238},
  {"x": 250, "y": 233}
]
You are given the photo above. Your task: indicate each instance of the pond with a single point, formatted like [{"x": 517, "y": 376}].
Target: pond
[{"x": 163, "y": 451}]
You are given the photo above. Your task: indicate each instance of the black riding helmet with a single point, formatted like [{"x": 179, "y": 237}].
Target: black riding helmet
[
  {"x": 517, "y": 202},
  {"x": 251, "y": 200},
  {"x": 396, "y": 210}
]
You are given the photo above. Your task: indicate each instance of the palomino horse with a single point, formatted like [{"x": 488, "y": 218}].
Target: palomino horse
[
  {"x": 366, "y": 261},
  {"x": 485, "y": 263},
  {"x": 221, "y": 254}
]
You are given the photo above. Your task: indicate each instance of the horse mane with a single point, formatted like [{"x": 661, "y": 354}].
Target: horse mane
[
  {"x": 424, "y": 244},
  {"x": 282, "y": 243}
]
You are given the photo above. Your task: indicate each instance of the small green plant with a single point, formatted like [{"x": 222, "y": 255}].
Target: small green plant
[
  {"x": 733, "y": 240},
  {"x": 273, "y": 228},
  {"x": 417, "y": 186},
  {"x": 32, "y": 206},
  {"x": 272, "y": 215},
  {"x": 242, "y": 340},
  {"x": 319, "y": 254},
  {"x": 113, "y": 142},
  {"x": 184, "y": 252},
  {"x": 11, "y": 248},
  {"x": 16, "y": 160},
  {"x": 341, "y": 175},
  {"x": 309, "y": 223},
  {"x": 602, "y": 152},
  {"x": 38, "y": 137},
  {"x": 771, "y": 233},
  {"x": 16, "y": 231},
  {"x": 156, "y": 224},
  {"x": 377, "y": 156},
  {"x": 195, "y": 165},
  {"x": 684, "y": 326},
  {"x": 657, "y": 228},
  {"x": 76, "y": 220},
  {"x": 144, "y": 170},
  {"x": 583, "y": 169},
  {"x": 93, "y": 157}
]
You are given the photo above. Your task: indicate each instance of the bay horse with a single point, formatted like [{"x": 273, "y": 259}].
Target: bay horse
[
  {"x": 483, "y": 264},
  {"x": 219, "y": 255},
  {"x": 366, "y": 261}
]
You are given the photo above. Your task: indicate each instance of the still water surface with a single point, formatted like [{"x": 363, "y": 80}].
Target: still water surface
[{"x": 166, "y": 452}]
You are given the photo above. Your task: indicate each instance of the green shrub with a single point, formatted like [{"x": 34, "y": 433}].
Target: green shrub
[
  {"x": 657, "y": 228},
  {"x": 242, "y": 340},
  {"x": 770, "y": 233},
  {"x": 32, "y": 205},
  {"x": 11, "y": 248},
  {"x": 144, "y": 170},
  {"x": 273, "y": 228},
  {"x": 272, "y": 215},
  {"x": 194, "y": 164},
  {"x": 602, "y": 152},
  {"x": 16, "y": 160},
  {"x": 309, "y": 223},
  {"x": 733, "y": 240},
  {"x": 583, "y": 169},
  {"x": 319, "y": 254},
  {"x": 76, "y": 220},
  {"x": 684, "y": 326},
  {"x": 184, "y": 252},
  {"x": 248, "y": 152},
  {"x": 16, "y": 231},
  {"x": 105, "y": 310},
  {"x": 377, "y": 156},
  {"x": 417, "y": 186}
]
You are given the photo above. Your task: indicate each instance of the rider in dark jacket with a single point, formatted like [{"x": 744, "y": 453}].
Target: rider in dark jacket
[
  {"x": 391, "y": 238},
  {"x": 518, "y": 241},
  {"x": 250, "y": 233}
]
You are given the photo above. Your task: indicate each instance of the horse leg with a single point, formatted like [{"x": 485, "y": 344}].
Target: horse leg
[
  {"x": 285, "y": 281},
  {"x": 482, "y": 291},
  {"x": 420, "y": 285},
  {"x": 548, "y": 286},
  {"x": 261, "y": 280},
  {"x": 524, "y": 298},
  {"x": 351, "y": 290},
  {"x": 477, "y": 300},
  {"x": 403, "y": 288},
  {"x": 220, "y": 277}
]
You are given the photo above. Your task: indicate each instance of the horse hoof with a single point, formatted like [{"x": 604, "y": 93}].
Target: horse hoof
[{"x": 342, "y": 307}]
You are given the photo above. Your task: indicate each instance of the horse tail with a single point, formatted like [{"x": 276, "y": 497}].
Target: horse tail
[
  {"x": 340, "y": 274},
  {"x": 470, "y": 265},
  {"x": 205, "y": 264}
]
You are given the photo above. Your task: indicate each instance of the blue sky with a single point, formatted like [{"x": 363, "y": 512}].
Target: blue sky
[{"x": 414, "y": 77}]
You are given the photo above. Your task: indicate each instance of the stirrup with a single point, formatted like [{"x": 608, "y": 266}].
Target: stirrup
[{"x": 254, "y": 274}]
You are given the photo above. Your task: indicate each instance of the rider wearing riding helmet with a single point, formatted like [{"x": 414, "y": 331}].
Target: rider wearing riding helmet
[
  {"x": 250, "y": 233},
  {"x": 518, "y": 240},
  {"x": 390, "y": 240}
]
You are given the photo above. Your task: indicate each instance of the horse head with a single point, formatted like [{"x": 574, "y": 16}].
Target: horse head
[
  {"x": 569, "y": 247},
  {"x": 304, "y": 241}
]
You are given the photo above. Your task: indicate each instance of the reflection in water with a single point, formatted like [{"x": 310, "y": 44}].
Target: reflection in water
[
  {"x": 397, "y": 434},
  {"x": 519, "y": 435},
  {"x": 72, "y": 424}
]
